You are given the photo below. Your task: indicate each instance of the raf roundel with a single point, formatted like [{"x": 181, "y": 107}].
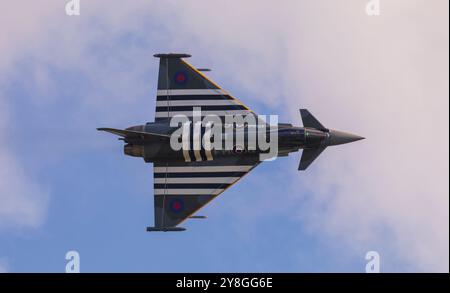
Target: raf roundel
[
  {"x": 177, "y": 205},
  {"x": 180, "y": 77}
]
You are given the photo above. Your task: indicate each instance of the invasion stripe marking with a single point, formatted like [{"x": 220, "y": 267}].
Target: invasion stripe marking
[
  {"x": 186, "y": 141},
  {"x": 194, "y": 169},
  {"x": 221, "y": 117},
  {"x": 203, "y": 175},
  {"x": 190, "y": 186},
  {"x": 170, "y": 92},
  {"x": 196, "y": 142},
  {"x": 207, "y": 143},
  {"x": 204, "y": 113},
  {"x": 188, "y": 191},
  {"x": 205, "y": 154},
  {"x": 226, "y": 180},
  {"x": 194, "y": 97},
  {"x": 202, "y": 108}
]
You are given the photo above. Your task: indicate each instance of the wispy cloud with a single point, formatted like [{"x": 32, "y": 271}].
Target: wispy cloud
[
  {"x": 3, "y": 266},
  {"x": 383, "y": 77},
  {"x": 23, "y": 201}
]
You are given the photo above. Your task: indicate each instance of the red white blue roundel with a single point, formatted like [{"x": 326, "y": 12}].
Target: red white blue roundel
[
  {"x": 176, "y": 205},
  {"x": 180, "y": 77}
]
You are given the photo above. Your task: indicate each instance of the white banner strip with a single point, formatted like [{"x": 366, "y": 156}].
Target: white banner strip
[
  {"x": 197, "y": 92},
  {"x": 195, "y": 169}
]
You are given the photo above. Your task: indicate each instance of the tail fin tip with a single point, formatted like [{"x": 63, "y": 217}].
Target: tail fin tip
[{"x": 310, "y": 121}]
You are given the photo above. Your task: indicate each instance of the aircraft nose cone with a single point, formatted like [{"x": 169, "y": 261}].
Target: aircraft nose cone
[{"x": 340, "y": 137}]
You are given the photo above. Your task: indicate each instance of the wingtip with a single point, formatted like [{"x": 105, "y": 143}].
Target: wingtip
[
  {"x": 165, "y": 229},
  {"x": 172, "y": 55}
]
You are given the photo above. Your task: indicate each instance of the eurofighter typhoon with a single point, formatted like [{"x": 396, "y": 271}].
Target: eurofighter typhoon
[{"x": 204, "y": 140}]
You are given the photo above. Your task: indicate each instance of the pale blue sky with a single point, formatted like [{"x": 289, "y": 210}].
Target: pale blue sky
[
  {"x": 101, "y": 201},
  {"x": 65, "y": 186}
]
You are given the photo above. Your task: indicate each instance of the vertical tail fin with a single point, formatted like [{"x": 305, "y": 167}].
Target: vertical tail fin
[{"x": 310, "y": 121}]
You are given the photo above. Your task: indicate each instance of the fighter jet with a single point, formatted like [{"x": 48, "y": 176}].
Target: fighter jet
[{"x": 191, "y": 174}]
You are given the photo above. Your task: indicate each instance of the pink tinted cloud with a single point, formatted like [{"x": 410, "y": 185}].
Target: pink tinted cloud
[{"x": 383, "y": 77}]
